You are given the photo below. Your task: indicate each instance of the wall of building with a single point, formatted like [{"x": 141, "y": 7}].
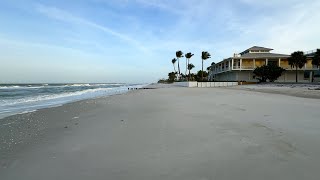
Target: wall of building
[
  {"x": 247, "y": 62},
  {"x": 260, "y": 62},
  {"x": 227, "y": 76},
  {"x": 309, "y": 64},
  {"x": 236, "y": 76},
  {"x": 288, "y": 76},
  {"x": 245, "y": 76},
  {"x": 284, "y": 63}
]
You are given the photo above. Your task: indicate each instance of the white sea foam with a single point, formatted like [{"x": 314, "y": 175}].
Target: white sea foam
[
  {"x": 52, "y": 96},
  {"x": 21, "y": 87},
  {"x": 78, "y": 85},
  {"x": 35, "y": 102},
  {"x": 31, "y": 103},
  {"x": 9, "y": 87}
]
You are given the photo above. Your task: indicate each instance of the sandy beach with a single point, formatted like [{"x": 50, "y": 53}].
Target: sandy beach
[
  {"x": 167, "y": 133},
  {"x": 297, "y": 90}
]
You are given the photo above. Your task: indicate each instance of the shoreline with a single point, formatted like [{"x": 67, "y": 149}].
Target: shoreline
[
  {"x": 19, "y": 130},
  {"x": 70, "y": 97}
]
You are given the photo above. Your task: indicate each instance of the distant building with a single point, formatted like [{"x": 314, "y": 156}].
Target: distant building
[{"x": 240, "y": 67}]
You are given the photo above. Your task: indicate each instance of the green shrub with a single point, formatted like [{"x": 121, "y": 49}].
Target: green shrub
[{"x": 269, "y": 72}]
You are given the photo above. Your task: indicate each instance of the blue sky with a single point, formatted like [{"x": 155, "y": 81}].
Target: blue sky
[{"x": 135, "y": 40}]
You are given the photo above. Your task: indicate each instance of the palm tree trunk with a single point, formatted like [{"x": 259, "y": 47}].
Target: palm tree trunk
[
  {"x": 174, "y": 68},
  {"x": 186, "y": 66},
  {"x": 189, "y": 69},
  {"x": 202, "y": 71},
  {"x": 296, "y": 74},
  {"x": 178, "y": 68},
  {"x": 189, "y": 75}
]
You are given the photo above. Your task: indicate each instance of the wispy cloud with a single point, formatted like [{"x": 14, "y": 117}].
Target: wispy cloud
[
  {"x": 62, "y": 15},
  {"x": 162, "y": 4}
]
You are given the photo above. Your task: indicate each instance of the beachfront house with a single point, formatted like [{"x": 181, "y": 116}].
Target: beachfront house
[{"x": 240, "y": 67}]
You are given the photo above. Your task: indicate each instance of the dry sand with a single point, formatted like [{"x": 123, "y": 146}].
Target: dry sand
[
  {"x": 297, "y": 90},
  {"x": 167, "y": 133}
]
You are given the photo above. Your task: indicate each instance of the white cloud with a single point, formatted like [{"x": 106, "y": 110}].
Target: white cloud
[{"x": 286, "y": 26}]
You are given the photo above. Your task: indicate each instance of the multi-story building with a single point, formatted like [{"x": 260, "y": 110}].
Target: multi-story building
[{"x": 240, "y": 67}]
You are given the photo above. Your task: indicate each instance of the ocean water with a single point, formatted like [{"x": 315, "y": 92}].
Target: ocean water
[{"x": 20, "y": 98}]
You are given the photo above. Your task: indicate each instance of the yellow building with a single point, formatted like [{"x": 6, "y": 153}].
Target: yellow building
[{"x": 240, "y": 67}]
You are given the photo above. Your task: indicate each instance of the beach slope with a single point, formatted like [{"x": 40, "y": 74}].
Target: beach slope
[{"x": 170, "y": 133}]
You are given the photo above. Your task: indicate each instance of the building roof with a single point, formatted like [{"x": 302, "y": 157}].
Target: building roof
[
  {"x": 261, "y": 56},
  {"x": 257, "y": 55},
  {"x": 254, "y": 48}
]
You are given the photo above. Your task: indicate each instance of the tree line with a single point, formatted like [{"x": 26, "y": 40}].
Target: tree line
[
  {"x": 270, "y": 72},
  {"x": 177, "y": 75}
]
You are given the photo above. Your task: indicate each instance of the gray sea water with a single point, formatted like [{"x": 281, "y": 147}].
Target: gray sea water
[{"x": 20, "y": 98}]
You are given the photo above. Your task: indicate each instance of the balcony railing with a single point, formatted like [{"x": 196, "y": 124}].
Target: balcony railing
[
  {"x": 244, "y": 67},
  {"x": 310, "y": 52}
]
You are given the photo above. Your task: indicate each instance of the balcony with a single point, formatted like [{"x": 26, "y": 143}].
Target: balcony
[
  {"x": 288, "y": 67},
  {"x": 247, "y": 66}
]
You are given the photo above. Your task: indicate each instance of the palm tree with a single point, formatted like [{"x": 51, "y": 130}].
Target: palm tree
[
  {"x": 297, "y": 60},
  {"x": 204, "y": 56},
  {"x": 188, "y": 56},
  {"x": 174, "y": 60},
  {"x": 190, "y": 67},
  {"x": 316, "y": 58},
  {"x": 179, "y": 54}
]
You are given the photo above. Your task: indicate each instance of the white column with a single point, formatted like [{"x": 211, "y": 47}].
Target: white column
[
  {"x": 229, "y": 65},
  {"x": 232, "y": 62},
  {"x": 240, "y": 64},
  {"x": 279, "y": 62},
  {"x": 254, "y": 63},
  {"x": 266, "y": 61}
]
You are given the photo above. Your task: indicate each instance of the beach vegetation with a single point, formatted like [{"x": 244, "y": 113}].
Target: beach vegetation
[
  {"x": 316, "y": 58},
  {"x": 173, "y": 61},
  {"x": 270, "y": 72},
  {"x": 297, "y": 60},
  {"x": 188, "y": 56},
  {"x": 162, "y": 81},
  {"x": 204, "y": 56},
  {"x": 201, "y": 76},
  {"x": 172, "y": 77},
  {"x": 190, "y": 67},
  {"x": 179, "y": 54}
]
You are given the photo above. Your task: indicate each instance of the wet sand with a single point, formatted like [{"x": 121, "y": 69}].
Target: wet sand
[{"x": 166, "y": 133}]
